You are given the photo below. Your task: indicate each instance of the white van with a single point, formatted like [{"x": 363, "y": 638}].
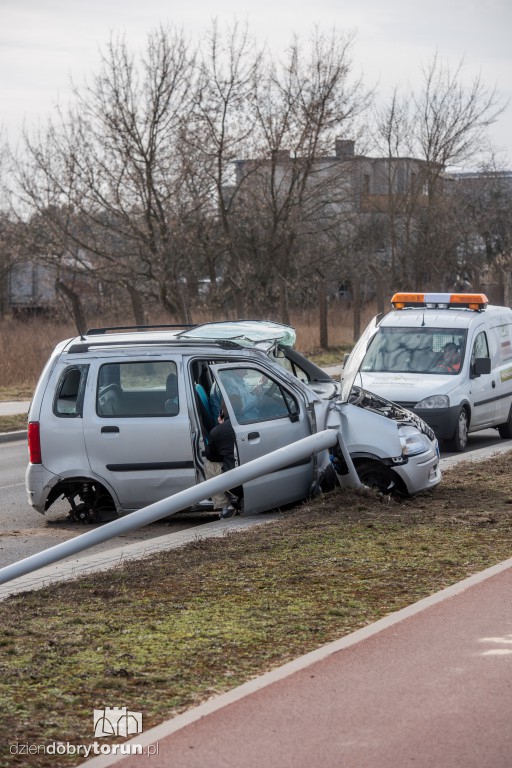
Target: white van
[{"x": 446, "y": 357}]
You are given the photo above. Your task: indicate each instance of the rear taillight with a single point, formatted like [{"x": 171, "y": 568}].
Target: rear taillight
[{"x": 34, "y": 443}]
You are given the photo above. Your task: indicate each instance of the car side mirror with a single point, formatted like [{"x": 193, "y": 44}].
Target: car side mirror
[{"x": 481, "y": 366}]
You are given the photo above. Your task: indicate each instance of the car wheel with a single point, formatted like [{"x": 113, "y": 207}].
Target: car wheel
[
  {"x": 505, "y": 429},
  {"x": 459, "y": 441},
  {"x": 375, "y": 475}
]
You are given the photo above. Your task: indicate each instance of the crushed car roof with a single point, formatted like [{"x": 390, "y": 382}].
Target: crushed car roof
[{"x": 253, "y": 333}]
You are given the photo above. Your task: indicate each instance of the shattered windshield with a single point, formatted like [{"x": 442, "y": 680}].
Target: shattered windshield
[
  {"x": 248, "y": 333},
  {"x": 416, "y": 350}
]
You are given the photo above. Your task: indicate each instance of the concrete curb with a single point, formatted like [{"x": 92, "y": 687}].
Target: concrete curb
[
  {"x": 481, "y": 454},
  {"x": 11, "y": 437}
]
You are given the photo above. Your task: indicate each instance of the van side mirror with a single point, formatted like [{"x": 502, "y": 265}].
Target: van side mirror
[{"x": 482, "y": 365}]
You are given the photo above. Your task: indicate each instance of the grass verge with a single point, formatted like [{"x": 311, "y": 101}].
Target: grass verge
[
  {"x": 162, "y": 635},
  {"x": 13, "y": 423},
  {"x": 18, "y": 392}
]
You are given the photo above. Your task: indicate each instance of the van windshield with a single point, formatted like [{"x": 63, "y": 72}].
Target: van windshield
[{"x": 416, "y": 350}]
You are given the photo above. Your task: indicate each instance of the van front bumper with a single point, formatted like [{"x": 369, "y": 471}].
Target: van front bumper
[{"x": 442, "y": 420}]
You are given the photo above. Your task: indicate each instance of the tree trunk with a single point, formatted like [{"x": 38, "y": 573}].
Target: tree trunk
[
  {"x": 76, "y": 310},
  {"x": 236, "y": 293},
  {"x": 137, "y": 306},
  {"x": 177, "y": 309},
  {"x": 322, "y": 307},
  {"x": 504, "y": 278},
  {"x": 283, "y": 302},
  {"x": 379, "y": 288},
  {"x": 356, "y": 291}
]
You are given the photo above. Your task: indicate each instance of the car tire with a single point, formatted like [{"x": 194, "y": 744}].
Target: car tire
[
  {"x": 459, "y": 441},
  {"x": 376, "y": 475},
  {"x": 505, "y": 430}
]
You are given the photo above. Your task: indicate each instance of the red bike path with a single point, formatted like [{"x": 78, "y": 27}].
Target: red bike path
[{"x": 428, "y": 687}]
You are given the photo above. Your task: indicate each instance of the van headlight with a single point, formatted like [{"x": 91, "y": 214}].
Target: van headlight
[
  {"x": 435, "y": 401},
  {"x": 413, "y": 441}
]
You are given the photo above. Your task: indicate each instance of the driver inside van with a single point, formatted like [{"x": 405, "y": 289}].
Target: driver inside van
[{"x": 450, "y": 359}]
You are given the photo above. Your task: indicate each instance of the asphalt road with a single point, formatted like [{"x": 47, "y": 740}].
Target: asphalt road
[{"x": 487, "y": 438}]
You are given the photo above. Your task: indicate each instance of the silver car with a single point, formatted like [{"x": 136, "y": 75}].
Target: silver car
[{"x": 120, "y": 419}]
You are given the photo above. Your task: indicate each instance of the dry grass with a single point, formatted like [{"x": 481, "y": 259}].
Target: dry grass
[
  {"x": 160, "y": 636},
  {"x": 26, "y": 345},
  {"x": 13, "y": 423},
  {"x": 25, "y": 348}
]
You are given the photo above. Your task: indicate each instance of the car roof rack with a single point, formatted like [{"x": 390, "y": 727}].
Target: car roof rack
[
  {"x": 116, "y": 328},
  {"x": 85, "y": 346}
]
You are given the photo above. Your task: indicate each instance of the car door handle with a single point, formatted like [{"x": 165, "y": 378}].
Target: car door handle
[
  {"x": 108, "y": 430},
  {"x": 253, "y": 436},
  {"x": 494, "y": 385}
]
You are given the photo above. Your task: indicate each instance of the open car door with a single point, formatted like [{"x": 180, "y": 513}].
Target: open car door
[{"x": 266, "y": 414}]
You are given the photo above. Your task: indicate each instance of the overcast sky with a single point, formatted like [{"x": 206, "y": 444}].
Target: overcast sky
[{"x": 45, "y": 43}]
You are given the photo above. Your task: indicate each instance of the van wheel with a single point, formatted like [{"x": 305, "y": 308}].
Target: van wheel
[
  {"x": 505, "y": 429},
  {"x": 459, "y": 441},
  {"x": 375, "y": 475}
]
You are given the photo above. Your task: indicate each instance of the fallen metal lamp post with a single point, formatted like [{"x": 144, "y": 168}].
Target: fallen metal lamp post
[{"x": 278, "y": 459}]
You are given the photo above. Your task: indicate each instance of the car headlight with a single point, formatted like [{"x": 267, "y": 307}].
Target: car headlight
[
  {"x": 413, "y": 441},
  {"x": 435, "y": 401}
]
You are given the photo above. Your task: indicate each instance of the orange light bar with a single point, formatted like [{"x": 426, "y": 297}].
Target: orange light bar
[
  {"x": 474, "y": 301},
  {"x": 401, "y": 300}
]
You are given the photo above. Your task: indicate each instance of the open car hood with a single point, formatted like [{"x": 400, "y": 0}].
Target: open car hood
[
  {"x": 248, "y": 333},
  {"x": 371, "y": 402},
  {"x": 356, "y": 358}
]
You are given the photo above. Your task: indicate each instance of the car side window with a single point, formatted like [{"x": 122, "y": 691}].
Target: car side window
[
  {"x": 480, "y": 347},
  {"x": 255, "y": 397},
  {"x": 291, "y": 367},
  {"x": 148, "y": 388},
  {"x": 69, "y": 394}
]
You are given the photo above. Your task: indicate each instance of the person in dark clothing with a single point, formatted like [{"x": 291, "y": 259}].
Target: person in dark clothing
[{"x": 220, "y": 457}]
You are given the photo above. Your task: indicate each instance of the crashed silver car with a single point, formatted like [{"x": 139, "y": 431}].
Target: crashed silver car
[{"x": 120, "y": 419}]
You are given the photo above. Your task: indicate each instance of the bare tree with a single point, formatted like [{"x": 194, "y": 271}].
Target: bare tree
[
  {"x": 295, "y": 188},
  {"x": 13, "y": 234},
  {"x": 106, "y": 178},
  {"x": 220, "y": 133},
  {"x": 450, "y": 119},
  {"x": 218, "y": 162},
  {"x": 483, "y": 202},
  {"x": 445, "y": 124}
]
